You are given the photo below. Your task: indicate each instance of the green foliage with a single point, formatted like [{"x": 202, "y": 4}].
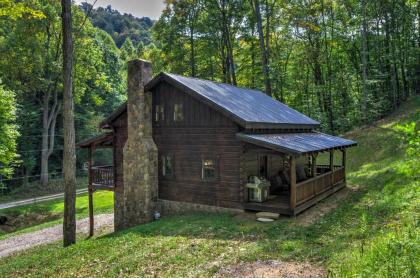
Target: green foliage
[
  {"x": 120, "y": 26},
  {"x": 411, "y": 137},
  {"x": 128, "y": 51},
  {"x": 9, "y": 131},
  {"x": 314, "y": 49},
  {"x": 12, "y": 10},
  {"x": 31, "y": 66}
]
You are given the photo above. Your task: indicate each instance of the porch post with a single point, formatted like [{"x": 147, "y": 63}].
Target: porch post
[
  {"x": 313, "y": 165},
  {"x": 343, "y": 163},
  {"x": 292, "y": 162},
  {"x": 332, "y": 167},
  {"x": 332, "y": 160},
  {"x": 90, "y": 190}
]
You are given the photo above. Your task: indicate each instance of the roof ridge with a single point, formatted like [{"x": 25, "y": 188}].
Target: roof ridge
[{"x": 216, "y": 82}]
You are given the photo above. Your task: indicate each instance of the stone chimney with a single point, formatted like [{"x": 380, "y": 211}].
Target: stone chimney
[{"x": 140, "y": 151}]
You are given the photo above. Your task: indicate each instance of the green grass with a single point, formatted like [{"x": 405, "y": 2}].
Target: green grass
[
  {"x": 374, "y": 233},
  {"x": 37, "y": 216}
]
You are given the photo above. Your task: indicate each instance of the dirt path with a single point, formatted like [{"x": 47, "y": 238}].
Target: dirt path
[
  {"x": 48, "y": 235},
  {"x": 272, "y": 269}
]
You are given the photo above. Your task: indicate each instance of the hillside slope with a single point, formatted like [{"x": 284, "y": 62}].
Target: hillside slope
[{"x": 373, "y": 233}]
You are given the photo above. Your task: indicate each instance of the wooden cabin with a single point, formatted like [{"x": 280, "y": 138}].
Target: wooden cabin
[{"x": 213, "y": 139}]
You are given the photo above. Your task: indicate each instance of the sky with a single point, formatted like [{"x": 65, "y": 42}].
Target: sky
[{"x": 139, "y": 8}]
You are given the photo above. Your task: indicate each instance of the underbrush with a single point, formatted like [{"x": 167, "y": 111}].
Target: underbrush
[{"x": 35, "y": 189}]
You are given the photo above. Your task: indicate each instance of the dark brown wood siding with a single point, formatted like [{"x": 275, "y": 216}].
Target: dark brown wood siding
[{"x": 203, "y": 133}]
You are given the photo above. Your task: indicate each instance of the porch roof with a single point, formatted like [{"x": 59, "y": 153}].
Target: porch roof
[
  {"x": 297, "y": 143},
  {"x": 103, "y": 140}
]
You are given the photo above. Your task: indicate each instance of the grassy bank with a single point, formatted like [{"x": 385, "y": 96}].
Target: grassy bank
[
  {"x": 373, "y": 233},
  {"x": 28, "y": 218},
  {"x": 35, "y": 189}
]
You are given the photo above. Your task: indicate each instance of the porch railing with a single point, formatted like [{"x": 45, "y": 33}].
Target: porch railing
[
  {"x": 102, "y": 176},
  {"x": 312, "y": 187}
]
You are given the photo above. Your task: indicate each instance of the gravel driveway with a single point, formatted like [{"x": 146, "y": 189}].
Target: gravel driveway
[{"x": 48, "y": 235}]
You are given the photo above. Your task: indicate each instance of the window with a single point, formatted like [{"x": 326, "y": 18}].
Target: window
[
  {"x": 209, "y": 169},
  {"x": 167, "y": 165},
  {"x": 159, "y": 113},
  {"x": 178, "y": 112}
]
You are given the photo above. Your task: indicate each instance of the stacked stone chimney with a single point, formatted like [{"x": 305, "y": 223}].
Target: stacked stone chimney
[{"x": 140, "y": 151}]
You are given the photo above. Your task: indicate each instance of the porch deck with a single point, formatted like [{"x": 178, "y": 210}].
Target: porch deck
[
  {"x": 279, "y": 204},
  {"x": 308, "y": 193}
]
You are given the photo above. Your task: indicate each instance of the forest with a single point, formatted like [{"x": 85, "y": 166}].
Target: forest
[{"x": 345, "y": 63}]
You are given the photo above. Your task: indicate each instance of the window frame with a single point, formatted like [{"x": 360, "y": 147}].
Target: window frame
[
  {"x": 163, "y": 164},
  {"x": 176, "y": 112},
  {"x": 159, "y": 115},
  {"x": 216, "y": 176}
]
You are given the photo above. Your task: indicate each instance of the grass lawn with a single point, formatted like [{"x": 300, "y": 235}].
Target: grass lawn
[
  {"x": 374, "y": 233},
  {"x": 37, "y": 216}
]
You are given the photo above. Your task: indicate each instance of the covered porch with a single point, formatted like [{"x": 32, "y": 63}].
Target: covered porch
[
  {"x": 100, "y": 177},
  {"x": 301, "y": 168}
]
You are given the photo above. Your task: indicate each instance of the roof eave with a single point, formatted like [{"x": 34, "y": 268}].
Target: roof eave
[
  {"x": 262, "y": 125},
  {"x": 275, "y": 147},
  {"x": 106, "y": 122}
]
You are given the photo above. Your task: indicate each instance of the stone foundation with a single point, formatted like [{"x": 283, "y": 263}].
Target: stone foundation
[{"x": 167, "y": 207}]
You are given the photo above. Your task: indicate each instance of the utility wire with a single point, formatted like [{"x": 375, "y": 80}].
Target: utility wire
[{"x": 37, "y": 176}]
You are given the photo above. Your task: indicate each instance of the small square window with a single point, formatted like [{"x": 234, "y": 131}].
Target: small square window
[
  {"x": 178, "y": 112},
  {"x": 167, "y": 165},
  {"x": 209, "y": 169},
  {"x": 159, "y": 113}
]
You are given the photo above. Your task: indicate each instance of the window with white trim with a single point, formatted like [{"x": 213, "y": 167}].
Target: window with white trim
[
  {"x": 178, "y": 112},
  {"x": 167, "y": 165},
  {"x": 209, "y": 169},
  {"x": 159, "y": 113}
]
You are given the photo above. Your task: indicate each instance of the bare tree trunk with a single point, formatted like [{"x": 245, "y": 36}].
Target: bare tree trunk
[
  {"x": 69, "y": 160},
  {"x": 49, "y": 115},
  {"x": 364, "y": 62},
  {"x": 49, "y": 118},
  {"x": 192, "y": 54},
  {"x": 263, "y": 46},
  {"x": 44, "y": 143}
]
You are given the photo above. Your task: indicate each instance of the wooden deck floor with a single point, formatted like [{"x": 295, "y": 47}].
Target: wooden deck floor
[{"x": 280, "y": 204}]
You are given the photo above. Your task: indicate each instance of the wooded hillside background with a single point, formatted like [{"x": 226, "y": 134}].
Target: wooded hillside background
[{"x": 342, "y": 62}]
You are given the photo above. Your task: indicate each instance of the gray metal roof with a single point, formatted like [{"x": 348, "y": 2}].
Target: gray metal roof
[
  {"x": 297, "y": 143},
  {"x": 251, "y": 108}
]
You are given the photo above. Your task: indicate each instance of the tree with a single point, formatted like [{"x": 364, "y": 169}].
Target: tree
[
  {"x": 128, "y": 51},
  {"x": 69, "y": 159},
  {"x": 264, "y": 43},
  {"x": 341, "y": 62},
  {"x": 9, "y": 131},
  {"x": 31, "y": 66}
]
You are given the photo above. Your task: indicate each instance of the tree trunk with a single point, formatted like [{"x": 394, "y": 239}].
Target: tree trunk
[
  {"x": 69, "y": 159},
  {"x": 263, "y": 46},
  {"x": 192, "y": 57},
  {"x": 49, "y": 118},
  {"x": 44, "y": 143},
  {"x": 364, "y": 63}
]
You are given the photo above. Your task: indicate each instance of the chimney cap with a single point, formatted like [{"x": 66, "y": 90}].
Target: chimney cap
[{"x": 141, "y": 61}]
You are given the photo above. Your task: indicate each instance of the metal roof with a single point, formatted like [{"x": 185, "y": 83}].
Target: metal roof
[
  {"x": 297, "y": 143},
  {"x": 250, "y": 108}
]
